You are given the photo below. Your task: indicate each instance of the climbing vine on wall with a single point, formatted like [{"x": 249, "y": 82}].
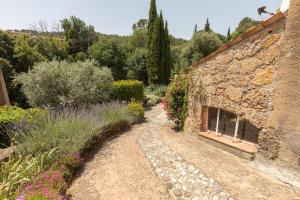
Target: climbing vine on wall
[{"x": 176, "y": 100}]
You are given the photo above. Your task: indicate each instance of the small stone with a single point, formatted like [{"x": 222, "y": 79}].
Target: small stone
[
  {"x": 204, "y": 183},
  {"x": 215, "y": 198},
  {"x": 195, "y": 198},
  {"x": 165, "y": 179},
  {"x": 177, "y": 192},
  {"x": 169, "y": 186},
  {"x": 223, "y": 194},
  {"x": 184, "y": 188},
  {"x": 180, "y": 181},
  {"x": 154, "y": 165},
  {"x": 183, "y": 173},
  {"x": 187, "y": 194},
  {"x": 191, "y": 168},
  {"x": 196, "y": 172},
  {"x": 173, "y": 180},
  {"x": 201, "y": 175},
  {"x": 211, "y": 180},
  {"x": 152, "y": 160}
]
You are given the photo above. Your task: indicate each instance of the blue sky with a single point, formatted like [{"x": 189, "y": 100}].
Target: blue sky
[{"x": 117, "y": 16}]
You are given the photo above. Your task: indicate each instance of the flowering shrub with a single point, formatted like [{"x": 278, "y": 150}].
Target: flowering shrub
[
  {"x": 176, "y": 101},
  {"x": 47, "y": 185}
]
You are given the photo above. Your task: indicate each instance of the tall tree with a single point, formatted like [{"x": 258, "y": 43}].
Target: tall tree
[
  {"x": 79, "y": 35},
  {"x": 151, "y": 20},
  {"x": 207, "y": 26},
  {"x": 162, "y": 49},
  {"x": 228, "y": 33},
  {"x": 158, "y": 48},
  {"x": 154, "y": 53},
  {"x": 167, "y": 54},
  {"x": 196, "y": 28}
]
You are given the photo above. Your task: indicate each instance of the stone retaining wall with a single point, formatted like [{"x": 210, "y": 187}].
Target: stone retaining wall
[{"x": 241, "y": 80}]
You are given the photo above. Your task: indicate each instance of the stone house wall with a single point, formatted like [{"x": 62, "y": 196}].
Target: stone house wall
[{"x": 241, "y": 79}]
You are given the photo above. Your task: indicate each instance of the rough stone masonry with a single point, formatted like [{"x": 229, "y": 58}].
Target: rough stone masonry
[{"x": 241, "y": 80}]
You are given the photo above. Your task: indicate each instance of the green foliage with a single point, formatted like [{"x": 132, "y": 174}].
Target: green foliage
[
  {"x": 159, "y": 58},
  {"x": 203, "y": 43},
  {"x": 141, "y": 24},
  {"x": 151, "y": 100},
  {"x": 136, "y": 109},
  {"x": 137, "y": 65},
  {"x": 127, "y": 90},
  {"x": 78, "y": 35},
  {"x": 109, "y": 53},
  {"x": 245, "y": 24},
  {"x": 20, "y": 170},
  {"x": 73, "y": 130},
  {"x": 157, "y": 90},
  {"x": 176, "y": 101},
  {"x": 11, "y": 114},
  {"x": 207, "y": 26},
  {"x": 60, "y": 83},
  {"x": 138, "y": 39},
  {"x": 52, "y": 48},
  {"x": 26, "y": 53},
  {"x": 12, "y": 117},
  {"x": 53, "y": 144}
]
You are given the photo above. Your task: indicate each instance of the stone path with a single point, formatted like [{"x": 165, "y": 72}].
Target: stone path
[
  {"x": 183, "y": 180},
  {"x": 153, "y": 162}
]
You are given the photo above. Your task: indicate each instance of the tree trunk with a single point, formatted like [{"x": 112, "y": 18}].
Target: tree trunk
[{"x": 287, "y": 92}]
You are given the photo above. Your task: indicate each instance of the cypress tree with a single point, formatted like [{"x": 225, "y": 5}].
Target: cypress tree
[
  {"x": 228, "y": 33},
  {"x": 153, "y": 55},
  {"x": 207, "y": 26},
  {"x": 162, "y": 49},
  {"x": 158, "y": 48},
  {"x": 151, "y": 21},
  {"x": 196, "y": 28},
  {"x": 167, "y": 55}
]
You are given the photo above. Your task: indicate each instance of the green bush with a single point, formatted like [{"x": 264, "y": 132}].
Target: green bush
[
  {"x": 136, "y": 109},
  {"x": 66, "y": 84},
  {"x": 127, "y": 90},
  {"x": 157, "y": 90},
  {"x": 71, "y": 130},
  {"x": 12, "y": 117},
  {"x": 176, "y": 101},
  {"x": 151, "y": 100}
]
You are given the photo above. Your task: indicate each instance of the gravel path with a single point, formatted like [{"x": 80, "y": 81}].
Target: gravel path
[
  {"x": 151, "y": 161},
  {"x": 183, "y": 180}
]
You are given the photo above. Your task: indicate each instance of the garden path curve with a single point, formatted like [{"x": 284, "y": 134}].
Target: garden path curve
[{"x": 142, "y": 164}]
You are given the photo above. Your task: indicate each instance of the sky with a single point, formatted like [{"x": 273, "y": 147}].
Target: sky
[{"x": 117, "y": 16}]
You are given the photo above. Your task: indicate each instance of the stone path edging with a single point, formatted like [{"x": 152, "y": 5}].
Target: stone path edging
[{"x": 183, "y": 180}]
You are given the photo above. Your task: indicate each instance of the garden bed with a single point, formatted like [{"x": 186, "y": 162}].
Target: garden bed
[{"x": 51, "y": 151}]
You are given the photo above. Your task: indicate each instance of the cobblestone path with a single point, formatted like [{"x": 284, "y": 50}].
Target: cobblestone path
[{"x": 182, "y": 179}]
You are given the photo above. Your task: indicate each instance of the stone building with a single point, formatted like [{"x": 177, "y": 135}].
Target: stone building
[{"x": 231, "y": 95}]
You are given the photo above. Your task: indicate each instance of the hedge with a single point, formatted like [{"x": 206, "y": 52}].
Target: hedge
[{"x": 128, "y": 90}]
